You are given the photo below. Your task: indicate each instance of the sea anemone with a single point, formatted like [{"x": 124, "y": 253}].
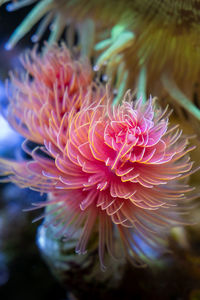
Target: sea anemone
[
  {"x": 119, "y": 170},
  {"x": 50, "y": 87}
]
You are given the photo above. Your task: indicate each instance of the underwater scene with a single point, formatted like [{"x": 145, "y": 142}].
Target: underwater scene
[{"x": 100, "y": 149}]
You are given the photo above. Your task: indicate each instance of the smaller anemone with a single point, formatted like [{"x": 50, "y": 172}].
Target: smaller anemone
[
  {"x": 52, "y": 84},
  {"x": 120, "y": 172}
]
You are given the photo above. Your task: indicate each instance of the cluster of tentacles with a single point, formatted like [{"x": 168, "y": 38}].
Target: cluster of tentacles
[{"x": 116, "y": 170}]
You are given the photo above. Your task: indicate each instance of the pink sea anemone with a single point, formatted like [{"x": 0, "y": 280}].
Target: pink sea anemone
[
  {"x": 118, "y": 170},
  {"x": 52, "y": 84}
]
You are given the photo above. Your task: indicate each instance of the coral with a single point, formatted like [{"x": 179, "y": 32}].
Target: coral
[{"x": 117, "y": 167}]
